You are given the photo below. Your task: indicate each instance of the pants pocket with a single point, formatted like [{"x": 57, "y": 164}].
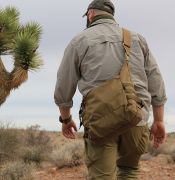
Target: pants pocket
[
  {"x": 142, "y": 144},
  {"x": 90, "y": 155}
]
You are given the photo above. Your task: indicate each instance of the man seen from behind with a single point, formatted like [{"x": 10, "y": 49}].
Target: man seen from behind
[{"x": 93, "y": 57}]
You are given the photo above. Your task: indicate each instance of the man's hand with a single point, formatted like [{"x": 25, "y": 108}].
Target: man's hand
[
  {"x": 68, "y": 129},
  {"x": 158, "y": 134}
]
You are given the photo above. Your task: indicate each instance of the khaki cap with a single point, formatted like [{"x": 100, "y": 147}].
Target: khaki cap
[{"x": 104, "y": 5}]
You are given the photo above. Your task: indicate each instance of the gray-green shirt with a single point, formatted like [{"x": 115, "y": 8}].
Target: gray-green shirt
[{"x": 96, "y": 55}]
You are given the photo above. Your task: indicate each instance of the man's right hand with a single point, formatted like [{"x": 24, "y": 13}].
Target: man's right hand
[{"x": 68, "y": 129}]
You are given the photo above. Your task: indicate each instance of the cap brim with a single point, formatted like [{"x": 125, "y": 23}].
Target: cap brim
[{"x": 85, "y": 14}]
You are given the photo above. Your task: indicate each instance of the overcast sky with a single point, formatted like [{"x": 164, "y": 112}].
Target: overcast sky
[{"x": 33, "y": 102}]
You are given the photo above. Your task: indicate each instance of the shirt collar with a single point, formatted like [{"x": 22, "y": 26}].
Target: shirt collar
[{"x": 103, "y": 21}]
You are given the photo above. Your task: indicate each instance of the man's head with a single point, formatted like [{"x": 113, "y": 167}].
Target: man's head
[
  {"x": 99, "y": 7},
  {"x": 103, "y": 5}
]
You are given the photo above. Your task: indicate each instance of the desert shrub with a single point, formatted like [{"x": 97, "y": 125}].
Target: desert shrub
[
  {"x": 17, "y": 171},
  {"x": 34, "y": 136},
  {"x": 167, "y": 148},
  {"x": 173, "y": 157},
  {"x": 60, "y": 141},
  {"x": 37, "y": 145},
  {"x": 9, "y": 142},
  {"x": 69, "y": 155},
  {"x": 34, "y": 154}
]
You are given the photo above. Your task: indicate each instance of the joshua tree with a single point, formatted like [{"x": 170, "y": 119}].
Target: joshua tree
[{"x": 21, "y": 42}]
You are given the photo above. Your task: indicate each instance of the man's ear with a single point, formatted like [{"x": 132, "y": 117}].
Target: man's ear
[{"x": 92, "y": 14}]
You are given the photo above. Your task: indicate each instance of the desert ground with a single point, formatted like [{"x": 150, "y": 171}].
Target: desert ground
[
  {"x": 34, "y": 154},
  {"x": 156, "y": 168}
]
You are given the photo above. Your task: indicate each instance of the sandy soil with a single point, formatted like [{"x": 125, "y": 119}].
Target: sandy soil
[{"x": 153, "y": 168}]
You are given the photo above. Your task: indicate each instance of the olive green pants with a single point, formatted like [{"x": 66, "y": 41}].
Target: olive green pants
[{"x": 117, "y": 158}]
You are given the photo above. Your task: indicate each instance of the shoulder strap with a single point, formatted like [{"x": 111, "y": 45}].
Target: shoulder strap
[
  {"x": 125, "y": 74},
  {"x": 126, "y": 42}
]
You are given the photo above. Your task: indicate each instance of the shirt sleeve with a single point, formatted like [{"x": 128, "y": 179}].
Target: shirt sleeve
[
  {"x": 156, "y": 85},
  {"x": 67, "y": 78}
]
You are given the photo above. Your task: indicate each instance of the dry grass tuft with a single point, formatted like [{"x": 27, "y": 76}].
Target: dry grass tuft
[
  {"x": 167, "y": 149},
  {"x": 69, "y": 155},
  {"x": 37, "y": 145},
  {"x": 17, "y": 171},
  {"x": 9, "y": 143}
]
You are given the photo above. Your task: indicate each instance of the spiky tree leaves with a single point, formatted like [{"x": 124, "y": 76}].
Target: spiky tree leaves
[
  {"x": 9, "y": 23},
  {"x": 26, "y": 43},
  {"x": 22, "y": 42}
]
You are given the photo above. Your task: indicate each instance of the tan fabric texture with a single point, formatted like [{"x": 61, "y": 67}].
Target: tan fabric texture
[
  {"x": 123, "y": 151},
  {"x": 96, "y": 55}
]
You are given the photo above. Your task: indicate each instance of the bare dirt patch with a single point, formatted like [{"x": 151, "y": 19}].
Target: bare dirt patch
[{"x": 155, "y": 168}]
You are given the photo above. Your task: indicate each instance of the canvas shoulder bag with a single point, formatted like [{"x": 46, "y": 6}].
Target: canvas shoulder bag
[{"x": 113, "y": 107}]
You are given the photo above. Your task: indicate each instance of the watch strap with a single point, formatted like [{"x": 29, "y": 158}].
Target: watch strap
[{"x": 65, "y": 121}]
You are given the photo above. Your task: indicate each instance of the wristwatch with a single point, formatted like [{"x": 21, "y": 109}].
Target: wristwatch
[{"x": 65, "y": 121}]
